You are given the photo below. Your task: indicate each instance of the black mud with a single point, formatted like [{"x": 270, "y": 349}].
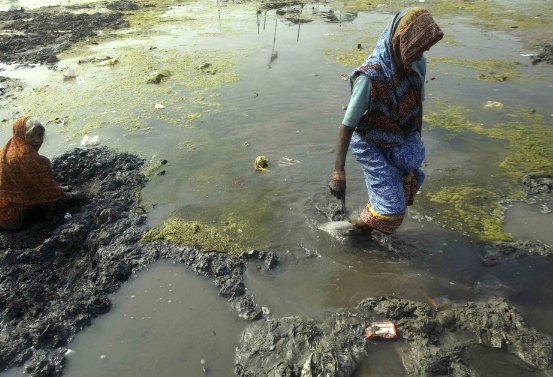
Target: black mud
[
  {"x": 55, "y": 276},
  {"x": 546, "y": 54},
  {"x": 37, "y": 36},
  {"x": 434, "y": 343}
]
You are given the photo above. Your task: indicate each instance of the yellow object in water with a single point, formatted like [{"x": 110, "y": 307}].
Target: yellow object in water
[
  {"x": 261, "y": 163},
  {"x": 493, "y": 104}
]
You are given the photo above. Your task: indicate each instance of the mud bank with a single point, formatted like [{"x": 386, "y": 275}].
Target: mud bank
[
  {"x": 31, "y": 37},
  {"x": 433, "y": 343},
  {"x": 55, "y": 277},
  {"x": 546, "y": 54},
  {"x": 497, "y": 252}
]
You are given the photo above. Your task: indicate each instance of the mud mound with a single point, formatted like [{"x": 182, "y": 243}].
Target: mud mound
[
  {"x": 545, "y": 56},
  {"x": 295, "y": 346},
  {"x": 37, "y": 36},
  {"x": 500, "y": 251},
  {"x": 52, "y": 285},
  {"x": 123, "y": 5}
]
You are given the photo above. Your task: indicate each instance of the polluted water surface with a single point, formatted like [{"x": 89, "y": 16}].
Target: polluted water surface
[
  {"x": 247, "y": 81},
  {"x": 165, "y": 320}
]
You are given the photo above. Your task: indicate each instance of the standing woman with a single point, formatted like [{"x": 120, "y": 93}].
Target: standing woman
[
  {"x": 385, "y": 111},
  {"x": 25, "y": 176}
]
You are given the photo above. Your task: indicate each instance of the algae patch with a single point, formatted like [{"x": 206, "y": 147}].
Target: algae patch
[
  {"x": 350, "y": 57},
  {"x": 472, "y": 210},
  {"x": 495, "y": 16},
  {"x": 478, "y": 210},
  {"x": 530, "y": 149},
  {"x": 192, "y": 233},
  {"x": 493, "y": 69}
]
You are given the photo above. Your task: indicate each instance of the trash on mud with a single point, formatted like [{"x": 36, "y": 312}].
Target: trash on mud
[
  {"x": 69, "y": 74},
  {"x": 286, "y": 161},
  {"x": 337, "y": 227},
  {"x": 207, "y": 68},
  {"x": 158, "y": 76},
  {"x": 90, "y": 141},
  {"x": 94, "y": 59},
  {"x": 344, "y": 77},
  {"x": 381, "y": 330},
  {"x": 261, "y": 163},
  {"x": 159, "y": 106},
  {"x": 107, "y": 62},
  {"x": 493, "y": 104}
]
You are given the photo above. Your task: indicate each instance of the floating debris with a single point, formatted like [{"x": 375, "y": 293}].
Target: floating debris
[
  {"x": 285, "y": 161},
  {"x": 69, "y": 74},
  {"x": 544, "y": 208},
  {"x": 158, "y": 76},
  {"x": 90, "y": 141},
  {"x": 493, "y": 104},
  {"x": 107, "y": 62},
  {"x": 261, "y": 163}
]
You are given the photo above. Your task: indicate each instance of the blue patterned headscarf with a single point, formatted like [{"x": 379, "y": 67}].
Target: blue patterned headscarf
[{"x": 396, "y": 89}]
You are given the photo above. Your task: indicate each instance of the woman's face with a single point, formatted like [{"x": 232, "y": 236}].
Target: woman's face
[{"x": 36, "y": 137}]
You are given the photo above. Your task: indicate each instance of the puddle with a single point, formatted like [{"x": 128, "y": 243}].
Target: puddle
[
  {"x": 531, "y": 221},
  {"x": 163, "y": 321}
]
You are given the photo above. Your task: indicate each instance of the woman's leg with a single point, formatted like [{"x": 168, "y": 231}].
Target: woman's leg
[{"x": 386, "y": 206}]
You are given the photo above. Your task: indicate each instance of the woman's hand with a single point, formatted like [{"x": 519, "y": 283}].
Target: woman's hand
[{"x": 337, "y": 185}]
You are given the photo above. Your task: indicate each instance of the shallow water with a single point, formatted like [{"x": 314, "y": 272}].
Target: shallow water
[
  {"x": 288, "y": 103},
  {"x": 153, "y": 329}
]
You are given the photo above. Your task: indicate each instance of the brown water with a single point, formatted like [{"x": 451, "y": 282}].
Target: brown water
[{"x": 288, "y": 103}]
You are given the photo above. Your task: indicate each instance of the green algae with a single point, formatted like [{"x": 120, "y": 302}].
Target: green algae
[
  {"x": 350, "y": 57},
  {"x": 495, "y": 16},
  {"x": 189, "y": 145},
  {"x": 530, "y": 149},
  {"x": 151, "y": 168},
  {"x": 120, "y": 93},
  {"x": 478, "y": 211},
  {"x": 472, "y": 210},
  {"x": 361, "y": 5},
  {"x": 192, "y": 233},
  {"x": 494, "y": 69},
  {"x": 451, "y": 40},
  {"x": 133, "y": 106}
]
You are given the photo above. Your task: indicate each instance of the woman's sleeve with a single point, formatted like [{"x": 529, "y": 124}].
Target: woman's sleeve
[{"x": 359, "y": 101}]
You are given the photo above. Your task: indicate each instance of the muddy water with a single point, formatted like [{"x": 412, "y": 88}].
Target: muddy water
[
  {"x": 288, "y": 103},
  {"x": 154, "y": 328}
]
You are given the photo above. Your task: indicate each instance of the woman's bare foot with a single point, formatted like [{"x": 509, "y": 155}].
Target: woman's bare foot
[{"x": 361, "y": 226}]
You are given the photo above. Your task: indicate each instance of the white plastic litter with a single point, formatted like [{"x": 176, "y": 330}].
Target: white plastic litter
[
  {"x": 90, "y": 141},
  {"x": 69, "y": 74},
  {"x": 159, "y": 106}
]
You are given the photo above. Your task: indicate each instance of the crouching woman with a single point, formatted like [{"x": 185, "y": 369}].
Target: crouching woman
[{"x": 26, "y": 181}]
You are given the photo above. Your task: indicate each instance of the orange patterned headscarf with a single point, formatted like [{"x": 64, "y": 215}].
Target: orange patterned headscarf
[
  {"x": 415, "y": 33},
  {"x": 23, "y": 178}
]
